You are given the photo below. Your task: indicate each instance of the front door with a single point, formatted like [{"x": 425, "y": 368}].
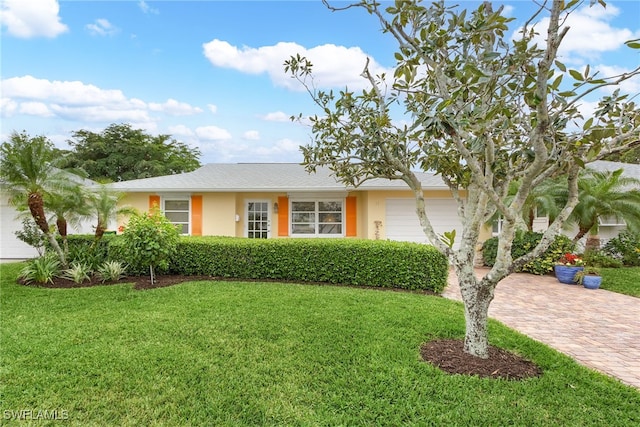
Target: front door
[{"x": 258, "y": 221}]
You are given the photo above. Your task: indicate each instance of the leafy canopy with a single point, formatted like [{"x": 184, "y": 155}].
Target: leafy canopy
[{"x": 121, "y": 153}]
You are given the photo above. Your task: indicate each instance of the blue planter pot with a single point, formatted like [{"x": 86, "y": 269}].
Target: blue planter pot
[
  {"x": 591, "y": 282},
  {"x": 565, "y": 273}
]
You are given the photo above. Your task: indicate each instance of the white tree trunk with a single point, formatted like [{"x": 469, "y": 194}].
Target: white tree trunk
[{"x": 476, "y": 295}]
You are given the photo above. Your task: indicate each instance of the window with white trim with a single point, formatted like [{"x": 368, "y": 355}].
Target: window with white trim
[
  {"x": 177, "y": 211},
  {"x": 317, "y": 218}
]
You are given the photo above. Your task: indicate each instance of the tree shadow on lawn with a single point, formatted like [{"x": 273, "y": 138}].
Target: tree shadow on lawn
[{"x": 446, "y": 354}]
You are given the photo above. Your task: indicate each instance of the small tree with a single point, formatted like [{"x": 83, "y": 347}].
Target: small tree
[
  {"x": 26, "y": 166},
  {"x": 149, "y": 239},
  {"x": 103, "y": 200},
  {"x": 481, "y": 109}
]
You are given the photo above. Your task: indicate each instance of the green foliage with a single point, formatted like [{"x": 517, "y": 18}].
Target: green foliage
[
  {"x": 121, "y": 153},
  {"x": 83, "y": 248},
  {"x": 149, "y": 241},
  {"x": 32, "y": 235},
  {"x": 597, "y": 258},
  {"x": 523, "y": 243},
  {"x": 41, "y": 270},
  {"x": 344, "y": 261},
  {"x": 78, "y": 273},
  {"x": 625, "y": 247},
  {"x": 111, "y": 271}
]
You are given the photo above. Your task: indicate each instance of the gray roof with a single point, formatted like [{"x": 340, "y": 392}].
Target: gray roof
[
  {"x": 630, "y": 170},
  {"x": 262, "y": 177}
]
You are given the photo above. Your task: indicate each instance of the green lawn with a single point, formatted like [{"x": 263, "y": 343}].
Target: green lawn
[
  {"x": 624, "y": 280},
  {"x": 247, "y": 354}
]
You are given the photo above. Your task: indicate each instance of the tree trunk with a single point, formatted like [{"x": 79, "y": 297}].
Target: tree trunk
[
  {"x": 593, "y": 242},
  {"x": 477, "y": 296},
  {"x": 36, "y": 207}
]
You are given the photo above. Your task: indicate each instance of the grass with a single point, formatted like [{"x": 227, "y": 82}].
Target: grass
[
  {"x": 624, "y": 280},
  {"x": 247, "y": 354}
]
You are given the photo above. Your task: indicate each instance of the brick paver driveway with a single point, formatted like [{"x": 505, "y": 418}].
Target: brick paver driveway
[{"x": 598, "y": 328}]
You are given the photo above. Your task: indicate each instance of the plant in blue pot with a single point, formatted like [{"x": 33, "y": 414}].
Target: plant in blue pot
[
  {"x": 589, "y": 278},
  {"x": 567, "y": 267}
]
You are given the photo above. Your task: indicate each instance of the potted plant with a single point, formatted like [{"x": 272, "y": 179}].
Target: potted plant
[
  {"x": 589, "y": 278},
  {"x": 567, "y": 267}
]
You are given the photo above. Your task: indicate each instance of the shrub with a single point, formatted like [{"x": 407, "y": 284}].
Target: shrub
[
  {"x": 149, "y": 241},
  {"x": 523, "y": 243},
  {"x": 345, "y": 261},
  {"x": 41, "y": 270},
  {"x": 598, "y": 258},
  {"x": 78, "y": 273},
  {"x": 85, "y": 249},
  {"x": 111, "y": 271},
  {"x": 624, "y": 247}
]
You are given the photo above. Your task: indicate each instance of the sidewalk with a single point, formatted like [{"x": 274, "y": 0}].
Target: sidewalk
[{"x": 598, "y": 328}]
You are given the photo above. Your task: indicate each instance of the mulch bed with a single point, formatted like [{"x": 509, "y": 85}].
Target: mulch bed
[{"x": 448, "y": 355}]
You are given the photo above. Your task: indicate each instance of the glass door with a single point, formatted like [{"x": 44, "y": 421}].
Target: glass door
[{"x": 258, "y": 221}]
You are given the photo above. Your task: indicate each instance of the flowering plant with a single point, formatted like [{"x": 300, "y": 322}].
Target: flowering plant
[{"x": 570, "y": 259}]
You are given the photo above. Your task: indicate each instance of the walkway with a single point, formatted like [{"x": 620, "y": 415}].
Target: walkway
[{"x": 598, "y": 328}]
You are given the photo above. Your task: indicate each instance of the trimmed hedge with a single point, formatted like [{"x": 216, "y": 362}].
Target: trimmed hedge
[
  {"x": 376, "y": 263},
  {"x": 523, "y": 243},
  {"x": 345, "y": 261}
]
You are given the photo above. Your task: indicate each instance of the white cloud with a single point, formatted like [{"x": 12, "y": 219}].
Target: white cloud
[
  {"x": 180, "y": 130},
  {"x": 32, "y": 18},
  {"x": 281, "y": 147},
  {"x": 333, "y": 66},
  {"x": 590, "y": 34},
  {"x": 175, "y": 108},
  {"x": 102, "y": 27},
  {"x": 145, "y": 8},
  {"x": 66, "y": 92},
  {"x": 212, "y": 133},
  {"x": 35, "y": 109},
  {"x": 7, "y": 107},
  {"x": 277, "y": 116},
  {"x": 75, "y": 100},
  {"x": 631, "y": 86},
  {"x": 212, "y": 108},
  {"x": 100, "y": 113},
  {"x": 252, "y": 135}
]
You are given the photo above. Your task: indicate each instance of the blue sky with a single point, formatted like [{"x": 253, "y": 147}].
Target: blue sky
[{"x": 210, "y": 73}]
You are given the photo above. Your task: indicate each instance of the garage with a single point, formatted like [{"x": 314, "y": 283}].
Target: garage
[
  {"x": 10, "y": 246},
  {"x": 402, "y": 222}
]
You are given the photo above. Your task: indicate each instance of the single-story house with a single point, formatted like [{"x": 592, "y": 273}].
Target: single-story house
[{"x": 278, "y": 200}]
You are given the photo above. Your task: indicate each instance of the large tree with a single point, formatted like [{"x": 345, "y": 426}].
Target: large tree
[
  {"x": 26, "y": 167},
  {"x": 121, "y": 153},
  {"x": 481, "y": 109}
]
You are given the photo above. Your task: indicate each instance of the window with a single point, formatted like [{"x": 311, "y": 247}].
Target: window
[
  {"x": 316, "y": 218},
  {"x": 177, "y": 211},
  {"x": 258, "y": 220}
]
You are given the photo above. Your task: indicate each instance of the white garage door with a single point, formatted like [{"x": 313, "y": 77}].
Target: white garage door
[
  {"x": 10, "y": 246},
  {"x": 402, "y": 222}
]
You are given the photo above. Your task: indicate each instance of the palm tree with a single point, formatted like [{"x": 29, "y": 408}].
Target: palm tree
[
  {"x": 69, "y": 206},
  {"x": 543, "y": 197},
  {"x": 26, "y": 166},
  {"x": 104, "y": 202},
  {"x": 605, "y": 194}
]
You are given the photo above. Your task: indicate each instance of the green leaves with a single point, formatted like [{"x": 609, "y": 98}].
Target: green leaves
[
  {"x": 149, "y": 239},
  {"x": 633, "y": 44}
]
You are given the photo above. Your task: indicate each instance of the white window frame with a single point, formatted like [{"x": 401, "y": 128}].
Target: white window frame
[
  {"x": 604, "y": 222},
  {"x": 178, "y": 198},
  {"x": 269, "y": 216},
  {"x": 316, "y": 212}
]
